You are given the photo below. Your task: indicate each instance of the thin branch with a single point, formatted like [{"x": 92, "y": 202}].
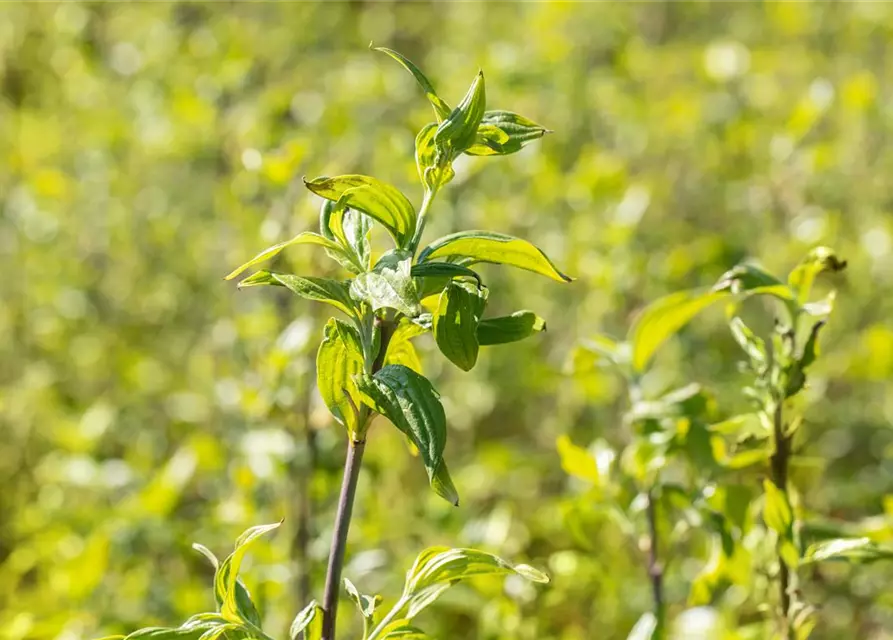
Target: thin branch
[
  {"x": 779, "y": 465},
  {"x": 655, "y": 569}
]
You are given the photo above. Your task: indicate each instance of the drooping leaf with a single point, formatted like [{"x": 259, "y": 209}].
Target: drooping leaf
[
  {"x": 380, "y": 201},
  {"x": 365, "y": 604},
  {"x": 412, "y": 404},
  {"x": 438, "y": 568},
  {"x": 339, "y": 359},
  {"x": 457, "y": 131},
  {"x": 332, "y": 292},
  {"x": 306, "y": 237},
  {"x": 817, "y": 261},
  {"x": 308, "y": 620},
  {"x": 389, "y": 285},
  {"x": 847, "y": 549},
  {"x": 750, "y": 343},
  {"x": 663, "y": 318},
  {"x": 234, "y": 608},
  {"x": 516, "y": 131},
  {"x": 506, "y": 329},
  {"x": 456, "y": 320},
  {"x": 441, "y": 109},
  {"x": 469, "y": 247},
  {"x": 777, "y": 510},
  {"x": 434, "y": 165}
]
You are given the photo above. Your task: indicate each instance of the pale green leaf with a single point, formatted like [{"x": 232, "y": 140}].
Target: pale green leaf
[
  {"x": 753, "y": 345},
  {"x": 412, "y": 404},
  {"x": 308, "y": 620},
  {"x": 306, "y": 237},
  {"x": 233, "y": 607},
  {"x": 506, "y": 329},
  {"x": 469, "y": 247},
  {"x": 389, "y": 285},
  {"x": 663, "y": 318},
  {"x": 458, "y": 130},
  {"x": 434, "y": 165},
  {"x": 332, "y": 292},
  {"x": 455, "y": 322},
  {"x": 400, "y": 348},
  {"x": 847, "y": 549},
  {"x": 365, "y": 604},
  {"x": 441, "y": 108},
  {"x": 380, "y": 201},
  {"x": 645, "y": 628},
  {"x": 339, "y": 359}
]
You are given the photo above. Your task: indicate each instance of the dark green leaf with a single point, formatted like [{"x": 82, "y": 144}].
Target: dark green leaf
[
  {"x": 469, "y": 247},
  {"x": 325, "y": 290},
  {"x": 456, "y": 320},
  {"x": 409, "y": 401},
  {"x": 505, "y": 329},
  {"x": 441, "y": 109},
  {"x": 380, "y": 201},
  {"x": 515, "y": 131},
  {"x": 457, "y": 132}
]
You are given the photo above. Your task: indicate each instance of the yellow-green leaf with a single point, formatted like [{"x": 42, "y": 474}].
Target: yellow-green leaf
[
  {"x": 306, "y": 237},
  {"x": 441, "y": 109},
  {"x": 339, "y": 359}
]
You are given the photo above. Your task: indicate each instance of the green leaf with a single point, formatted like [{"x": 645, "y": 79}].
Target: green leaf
[
  {"x": 409, "y": 401},
  {"x": 469, "y": 247},
  {"x": 848, "y": 549},
  {"x": 233, "y": 607},
  {"x": 339, "y": 359},
  {"x": 438, "y": 568},
  {"x": 185, "y": 632},
  {"x": 811, "y": 348},
  {"x": 663, "y": 318},
  {"x": 751, "y": 279},
  {"x": 405, "y": 631},
  {"x": 365, "y": 604},
  {"x": 400, "y": 348},
  {"x": 577, "y": 461},
  {"x": 777, "y": 512},
  {"x": 506, "y": 329},
  {"x": 434, "y": 165},
  {"x": 332, "y": 292},
  {"x": 515, "y": 131},
  {"x": 456, "y": 320},
  {"x": 202, "y": 549},
  {"x": 351, "y": 229},
  {"x": 753, "y": 345},
  {"x": 308, "y": 620},
  {"x": 380, "y": 201},
  {"x": 817, "y": 261},
  {"x": 306, "y": 237},
  {"x": 457, "y": 132},
  {"x": 389, "y": 285},
  {"x": 441, "y": 109},
  {"x": 606, "y": 349},
  {"x": 443, "y": 269}
]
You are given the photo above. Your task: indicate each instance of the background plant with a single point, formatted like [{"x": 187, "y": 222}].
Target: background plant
[{"x": 144, "y": 406}]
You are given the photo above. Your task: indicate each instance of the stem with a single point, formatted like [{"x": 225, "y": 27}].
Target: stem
[
  {"x": 339, "y": 539},
  {"x": 392, "y": 614},
  {"x": 423, "y": 213},
  {"x": 352, "y": 466},
  {"x": 779, "y": 466},
  {"x": 655, "y": 570}
]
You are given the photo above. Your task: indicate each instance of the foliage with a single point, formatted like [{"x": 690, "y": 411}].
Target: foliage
[{"x": 144, "y": 405}]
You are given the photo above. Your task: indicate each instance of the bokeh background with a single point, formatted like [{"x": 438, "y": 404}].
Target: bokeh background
[{"x": 145, "y": 403}]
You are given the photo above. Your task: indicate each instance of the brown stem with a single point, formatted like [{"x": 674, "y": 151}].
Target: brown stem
[
  {"x": 655, "y": 570},
  {"x": 779, "y": 467},
  {"x": 352, "y": 466}
]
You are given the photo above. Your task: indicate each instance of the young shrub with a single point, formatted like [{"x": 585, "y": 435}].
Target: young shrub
[{"x": 367, "y": 365}]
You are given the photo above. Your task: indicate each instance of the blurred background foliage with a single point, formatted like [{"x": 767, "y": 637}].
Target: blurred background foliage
[{"x": 149, "y": 148}]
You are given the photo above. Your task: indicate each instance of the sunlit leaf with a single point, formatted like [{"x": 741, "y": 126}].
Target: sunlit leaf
[
  {"x": 455, "y": 322},
  {"x": 468, "y": 247},
  {"x": 309, "y": 621},
  {"x": 332, "y": 292},
  {"x": 306, "y": 237},
  {"x": 515, "y": 131},
  {"x": 645, "y": 628},
  {"x": 412, "y": 404},
  {"x": 848, "y": 549},
  {"x": 435, "y": 165},
  {"x": 441, "y": 109},
  {"x": 777, "y": 512},
  {"x": 380, "y": 201},
  {"x": 819, "y": 260},
  {"x": 506, "y": 329},
  {"x": 576, "y": 461},
  {"x": 234, "y": 608},
  {"x": 400, "y": 348},
  {"x": 389, "y": 285},
  {"x": 753, "y": 345},
  {"x": 457, "y": 131},
  {"x": 663, "y": 318},
  {"x": 339, "y": 359},
  {"x": 365, "y": 604}
]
